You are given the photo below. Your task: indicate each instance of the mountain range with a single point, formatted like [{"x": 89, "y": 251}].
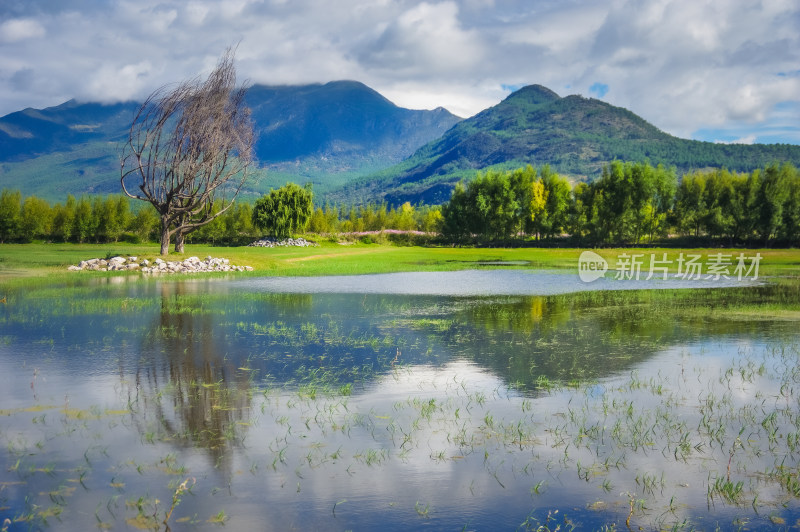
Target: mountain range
[
  {"x": 576, "y": 136},
  {"x": 324, "y": 134},
  {"x": 355, "y": 146}
]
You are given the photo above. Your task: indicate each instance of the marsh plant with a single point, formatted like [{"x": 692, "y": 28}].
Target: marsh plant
[{"x": 188, "y": 408}]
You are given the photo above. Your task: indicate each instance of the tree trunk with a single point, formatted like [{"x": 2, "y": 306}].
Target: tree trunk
[
  {"x": 165, "y": 234},
  {"x": 179, "y": 241}
]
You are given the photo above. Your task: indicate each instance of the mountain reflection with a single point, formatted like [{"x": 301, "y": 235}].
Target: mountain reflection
[{"x": 191, "y": 352}]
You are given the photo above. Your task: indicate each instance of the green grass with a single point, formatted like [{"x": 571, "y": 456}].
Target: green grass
[{"x": 25, "y": 260}]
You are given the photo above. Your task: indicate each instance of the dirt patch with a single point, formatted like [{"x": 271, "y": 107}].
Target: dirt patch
[{"x": 325, "y": 256}]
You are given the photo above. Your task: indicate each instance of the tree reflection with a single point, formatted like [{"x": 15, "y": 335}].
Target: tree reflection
[
  {"x": 192, "y": 382},
  {"x": 591, "y": 335},
  {"x": 189, "y": 391}
]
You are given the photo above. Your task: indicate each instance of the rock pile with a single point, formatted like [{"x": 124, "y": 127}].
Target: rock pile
[
  {"x": 190, "y": 265},
  {"x": 269, "y": 242}
]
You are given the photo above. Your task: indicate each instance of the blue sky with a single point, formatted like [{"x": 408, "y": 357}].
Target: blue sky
[{"x": 725, "y": 70}]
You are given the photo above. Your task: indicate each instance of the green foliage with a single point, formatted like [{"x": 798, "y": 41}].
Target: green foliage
[
  {"x": 553, "y": 216},
  {"x": 498, "y": 205},
  {"x": 578, "y": 137},
  {"x": 96, "y": 219},
  {"x": 144, "y": 226},
  {"x": 36, "y": 219},
  {"x": 630, "y": 203},
  {"x": 790, "y": 228},
  {"x": 432, "y": 220},
  {"x": 772, "y": 193},
  {"x": 63, "y": 216},
  {"x": 233, "y": 227},
  {"x": 10, "y": 203},
  {"x": 82, "y": 224},
  {"x": 759, "y": 207},
  {"x": 88, "y": 219},
  {"x": 284, "y": 211},
  {"x": 323, "y": 221},
  {"x": 491, "y": 206}
]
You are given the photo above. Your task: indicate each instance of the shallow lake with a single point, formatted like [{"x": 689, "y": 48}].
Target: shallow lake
[
  {"x": 478, "y": 400},
  {"x": 471, "y": 283}
]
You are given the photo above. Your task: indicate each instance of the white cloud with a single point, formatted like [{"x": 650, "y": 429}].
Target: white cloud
[
  {"x": 554, "y": 30},
  {"x": 125, "y": 82},
  {"x": 426, "y": 95},
  {"x": 20, "y": 29},
  {"x": 749, "y": 139},
  {"x": 195, "y": 13},
  {"x": 684, "y": 65},
  {"x": 677, "y": 65},
  {"x": 426, "y": 38}
]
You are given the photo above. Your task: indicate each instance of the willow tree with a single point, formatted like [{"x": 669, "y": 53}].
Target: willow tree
[
  {"x": 285, "y": 211},
  {"x": 188, "y": 147}
]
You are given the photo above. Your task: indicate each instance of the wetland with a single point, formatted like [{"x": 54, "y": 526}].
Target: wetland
[{"x": 398, "y": 402}]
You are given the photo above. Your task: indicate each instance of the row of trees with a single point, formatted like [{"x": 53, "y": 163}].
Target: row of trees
[
  {"x": 629, "y": 204},
  {"x": 499, "y": 205},
  {"x": 86, "y": 219},
  {"x": 286, "y": 211},
  {"x": 763, "y": 205},
  {"x": 290, "y": 210}
]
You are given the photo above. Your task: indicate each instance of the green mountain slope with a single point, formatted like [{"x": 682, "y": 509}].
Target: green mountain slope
[
  {"x": 356, "y": 146},
  {"x": 577, "y": 136},
  {"x": 327, "y": 134}
]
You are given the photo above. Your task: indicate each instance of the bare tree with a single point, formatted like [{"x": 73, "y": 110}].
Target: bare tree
[{"x": 187, "y": 147}]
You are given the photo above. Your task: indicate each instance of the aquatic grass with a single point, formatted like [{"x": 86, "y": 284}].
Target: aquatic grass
[
  {"x": 183, "y": 487},
  {"x": 422, "y": 510},
  {"x": 663, "y": 411},
  {"x": 730, "y": 491}
]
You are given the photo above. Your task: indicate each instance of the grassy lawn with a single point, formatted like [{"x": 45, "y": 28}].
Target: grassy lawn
[{"x": 24, "y": 260}]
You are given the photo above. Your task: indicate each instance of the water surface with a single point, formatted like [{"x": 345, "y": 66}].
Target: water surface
[
  {"x": 398, "y": 402},
  {"x": 471, "y": 283}
]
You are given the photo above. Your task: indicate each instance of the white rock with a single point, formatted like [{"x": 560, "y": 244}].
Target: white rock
[{"x": 189, "y": 265}]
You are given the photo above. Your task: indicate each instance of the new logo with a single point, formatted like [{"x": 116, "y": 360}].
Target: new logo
[{"x": 591, "y": 266}]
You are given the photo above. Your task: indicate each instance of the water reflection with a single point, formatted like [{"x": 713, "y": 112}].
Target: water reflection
[
  {"x": 193, "y": 392},
  {"x": 470, "y": 283},
  {"x": 331, "y": 410}
]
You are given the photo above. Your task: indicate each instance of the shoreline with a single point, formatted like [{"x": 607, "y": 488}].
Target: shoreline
[{"x": 18, "y": 261}]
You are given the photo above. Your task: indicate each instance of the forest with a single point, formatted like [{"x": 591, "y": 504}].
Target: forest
[{"x": 629, "y": 204}]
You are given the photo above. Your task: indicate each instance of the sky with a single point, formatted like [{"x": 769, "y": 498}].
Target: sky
[{"x": 716, "y": 70}]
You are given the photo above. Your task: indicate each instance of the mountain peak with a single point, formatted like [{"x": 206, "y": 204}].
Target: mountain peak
[{"x": 534, "y": 94}]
